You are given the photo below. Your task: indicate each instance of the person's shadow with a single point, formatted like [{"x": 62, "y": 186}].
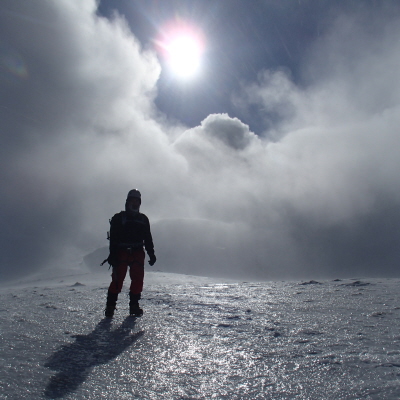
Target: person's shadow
[{"x": 75, "y": 360}]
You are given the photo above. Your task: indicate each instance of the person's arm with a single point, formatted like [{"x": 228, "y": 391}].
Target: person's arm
[{"x": 148, "y": 243}]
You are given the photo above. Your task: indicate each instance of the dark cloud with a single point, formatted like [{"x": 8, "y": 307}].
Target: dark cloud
[{"x": 316, "y": 194}]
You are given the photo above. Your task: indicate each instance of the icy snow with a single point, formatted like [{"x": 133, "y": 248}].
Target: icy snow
[{"x": 201, "y": 338}]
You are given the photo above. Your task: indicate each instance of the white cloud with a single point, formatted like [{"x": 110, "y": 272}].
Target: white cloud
[{"x": 82, "y": 129}]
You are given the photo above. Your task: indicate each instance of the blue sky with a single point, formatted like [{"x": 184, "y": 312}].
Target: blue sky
[{"x": 279, "y": 160}]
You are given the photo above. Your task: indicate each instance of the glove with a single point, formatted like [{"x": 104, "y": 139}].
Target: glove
[{"x": 153, "y": 259}]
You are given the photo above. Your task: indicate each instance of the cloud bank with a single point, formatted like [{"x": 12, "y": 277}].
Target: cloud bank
[{"x": 315, "y": 195}]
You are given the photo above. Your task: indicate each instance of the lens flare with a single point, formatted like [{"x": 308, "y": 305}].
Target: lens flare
[
  {"x": 181, "y": 46},
  {"x": 12, "y": 62}
]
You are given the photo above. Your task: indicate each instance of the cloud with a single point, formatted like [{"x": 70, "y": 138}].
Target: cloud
[
  {"x": 319, "y": 194},
  {"x": 230, "y": 131},
  {"x": 87, "y": 94},
  {"x": 315, "y": 195},
  {"x": 337, "y": 148}
]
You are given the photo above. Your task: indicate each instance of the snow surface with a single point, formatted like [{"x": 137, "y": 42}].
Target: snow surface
[{"x": 201, "y": 338}]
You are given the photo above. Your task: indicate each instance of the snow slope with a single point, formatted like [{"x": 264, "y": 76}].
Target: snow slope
[{"x": 201, "y": 339}]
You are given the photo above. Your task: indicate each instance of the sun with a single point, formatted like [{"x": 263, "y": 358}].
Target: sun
[
  {"x": 182, "y": 47},
  {"x": 184, "y": 56}
]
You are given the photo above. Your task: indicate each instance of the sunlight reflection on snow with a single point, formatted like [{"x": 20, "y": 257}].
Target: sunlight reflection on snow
[{"x": 225, "y": 341}]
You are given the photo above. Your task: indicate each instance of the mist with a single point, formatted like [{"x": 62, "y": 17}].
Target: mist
[{"x": 315, "y": 194}]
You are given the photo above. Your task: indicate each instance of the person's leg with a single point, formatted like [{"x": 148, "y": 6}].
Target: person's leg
[
  {"x": 111, "y": 304},
  {"x": 136, "y": 272},
  {"x": 118, "y": 277}
]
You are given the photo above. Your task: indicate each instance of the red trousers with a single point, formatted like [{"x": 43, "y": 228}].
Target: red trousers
[{"x": 135, "y": 260}]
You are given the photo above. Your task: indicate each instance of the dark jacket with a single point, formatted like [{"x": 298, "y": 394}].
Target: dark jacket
[{"x": 130, "y": 230}]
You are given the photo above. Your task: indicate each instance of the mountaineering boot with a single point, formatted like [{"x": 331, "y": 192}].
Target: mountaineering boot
[
  {"x": 110, "y": 305},
  {"x": 134, "y": 308}
]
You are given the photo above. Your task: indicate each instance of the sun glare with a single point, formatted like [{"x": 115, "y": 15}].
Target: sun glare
[
  {"x": 182, "y": 47},
  {"x": 184, "y": 56}
]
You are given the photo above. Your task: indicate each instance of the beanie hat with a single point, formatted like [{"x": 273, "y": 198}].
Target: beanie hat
[{"x": 134, "y": 193}]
